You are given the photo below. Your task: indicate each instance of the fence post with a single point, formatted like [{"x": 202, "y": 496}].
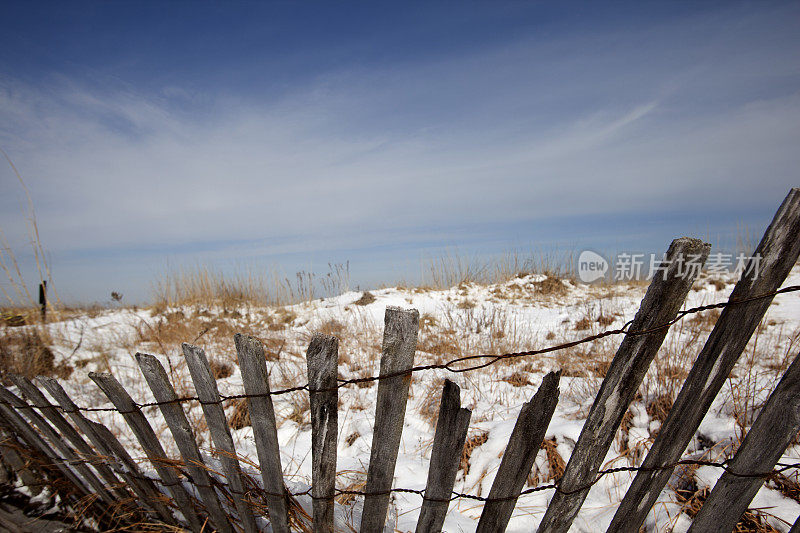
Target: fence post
[
  {"x": 107, "y": 443},
  {"x": 253, "y": 366},
  {"x": 23, "y": 429},
  {"x": 157, "y": 379},
  {"x": 9, "y": 445},
  {"x": 772, "y": 432},
  {"x": 521, "y": 450},
  {"x": 777, "y": 253},
  {"x": 58, "y": 443},
  {"x": 399, "y": 343},
  {"x": 35, "y": 396},
  {"x": 207, "y": 392},
  {"x": 660, "y": 305},
  {"x": 448, "y": 442},
  {"x": 150, "y": 444},
  {"x": 322, "y": 360},
  {"x": 43, "y": 299}
]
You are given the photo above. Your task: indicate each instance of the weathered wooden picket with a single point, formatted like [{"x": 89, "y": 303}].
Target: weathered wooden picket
[{"x": 44, "y": 449}]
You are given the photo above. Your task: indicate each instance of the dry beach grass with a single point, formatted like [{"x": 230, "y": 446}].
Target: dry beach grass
[{"x": 524, "y": 310}]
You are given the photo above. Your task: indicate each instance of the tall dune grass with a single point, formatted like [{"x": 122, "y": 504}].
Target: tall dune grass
[
  {"x": 204, "y": 285},
  {"x": 451, "y": 268},
  {"x": 18, "y": 297}
]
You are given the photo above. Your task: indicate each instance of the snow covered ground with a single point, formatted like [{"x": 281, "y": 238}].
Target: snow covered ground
[{"x": 528, "y": 312}]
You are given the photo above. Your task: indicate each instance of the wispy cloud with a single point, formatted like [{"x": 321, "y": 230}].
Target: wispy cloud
[{"x": 510, "y": 135}]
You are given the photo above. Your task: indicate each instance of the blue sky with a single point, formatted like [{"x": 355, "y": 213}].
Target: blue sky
[{"x": 288, "y": 135}]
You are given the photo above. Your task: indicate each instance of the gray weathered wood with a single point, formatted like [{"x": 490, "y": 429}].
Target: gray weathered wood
[
  {"x": 322, "y": 362},
  {"x": 107, "y": 443},
  {"x": 399, "y": 343},
  {"x": 796, "y": 526},
  {"x": 59, "y": 446},
  {"x": 521, "y": 450},
  {"x": 660, "y": 305},
  {"x": 448, "y": 442},
  {"x": 773, "y": 430},
  {"x": 150, "y": 444},
  {"x": 6, "y": 470},
  {"x": 206, "y": 387},
  {"x": 778, "y": 250},
  {"x": 26, "y": 474},
  {"x": 143, "y": 485},
  {"x": 38, "y": 400},
  {"x": 181, "y": 430},
  {"x": 253, "y": 365},
  {"x": 25, "y": 432}
]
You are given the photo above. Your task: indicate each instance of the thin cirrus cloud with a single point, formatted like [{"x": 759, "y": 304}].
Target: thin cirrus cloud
[{"x": 436, "y": 150}]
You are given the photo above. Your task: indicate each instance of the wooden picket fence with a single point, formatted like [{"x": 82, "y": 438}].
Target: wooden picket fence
[{"x": 85, "y": 462}]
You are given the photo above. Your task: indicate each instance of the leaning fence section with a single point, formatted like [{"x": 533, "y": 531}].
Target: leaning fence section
[{"x": 51, "y": 443}]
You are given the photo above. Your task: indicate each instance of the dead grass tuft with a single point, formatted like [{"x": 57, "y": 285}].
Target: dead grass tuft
[
  {"x": 605, "y": 320},
  {"x": 600, "y": 368},
  {"x": 551, "y": 286},
  {"x": 718, "y": 284},
  {"x": 241, "y": 414},
  {"x": 12, "y": 319},
  {"x": 26, "y": 351},
  {"x": 787, "y": 486},
  {"x": 358, "y": 480},
  {"x": 658, "y": 408},
  {"x": 333, "y": 327},
  {"x": 366, "y": 299},
  {"x": 706, "y": 319},
  {"x": 517, "y": 379},
  {"x": 430, "y": 402},
  {"x": 624, "y": 428},
  {"x": 692, "y": 499},
  {"x": 427, "y": 321},
  {"x": 466, "y": 304},
  {"x": 219, "y": 369},
  {"x": 300, "y": 412},
  {"x": 469, "y": 446},
  {"x": 555, "y": 463},
  {"x": 439, "y": 345}
]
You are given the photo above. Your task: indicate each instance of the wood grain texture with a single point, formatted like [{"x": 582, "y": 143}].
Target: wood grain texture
[
  {"x": 399, "y": 343},
  {"x": 59, "y": 447},
  {"x": 322, "y": 362},
  {"x": 181, "y": 430},
  {"x": 520, "y": 453},
  {"x": 97, "y": 460},
  {"x": 253, "y": 365},
  {"x": 778, "y": 250},
  {"x": 150, "y": 444},
  {"x": 773, "y": 430},
  {"x": 15, "y": 423},
  {"x": 105, "y": 442},
  {"x": 206, "y": 387},
  {"x": 9, "y": 444},
  {"x": 660, "y": 305},
  {"x": 448, "y": 442}
]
